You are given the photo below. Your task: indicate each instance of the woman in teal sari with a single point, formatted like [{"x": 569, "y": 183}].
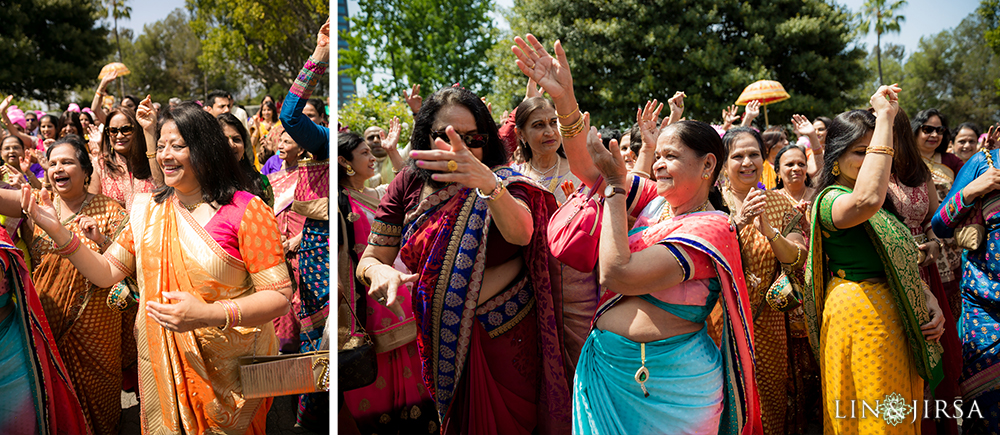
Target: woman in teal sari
[{"x": 872, "y": 322}]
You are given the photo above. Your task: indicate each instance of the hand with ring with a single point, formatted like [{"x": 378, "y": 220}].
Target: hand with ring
[
  {"x": 753, "y": 206},
  {"x": 451, "y": 161},
  {"x": 386, "y": 282}
]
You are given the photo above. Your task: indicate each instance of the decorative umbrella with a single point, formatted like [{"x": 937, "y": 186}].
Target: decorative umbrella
[
  {"x": 765, "y": 91},
  {"x": 113, "y": 66}
]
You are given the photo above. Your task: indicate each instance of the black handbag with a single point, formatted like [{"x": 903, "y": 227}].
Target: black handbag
[{"x": 357, "y": 363}]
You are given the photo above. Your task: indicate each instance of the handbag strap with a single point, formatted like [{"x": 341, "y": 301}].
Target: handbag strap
[{"x": 597, "y": 184}]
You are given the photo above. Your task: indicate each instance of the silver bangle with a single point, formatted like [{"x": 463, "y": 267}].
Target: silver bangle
[{"x": 497, "y": 191}]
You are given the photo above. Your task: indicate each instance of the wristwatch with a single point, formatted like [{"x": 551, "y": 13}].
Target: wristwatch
[{"x": 613, "y": 190}]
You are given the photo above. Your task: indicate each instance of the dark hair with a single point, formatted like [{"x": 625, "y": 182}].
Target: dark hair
[
  {"x": 521, "y": 115},
  {"x": 730, "y": 139},
  {"x": 319, "y": 105},
  {"x": 32, "y": 113},
  {"x": 607, "y": 134},
  {"x": 494, "y": 153},
  {"x": 907, "y": 163},
  {"x": 635, "y": 139},
  {"x": 216, "y": 94},
  {"x": 703, "y": 139},
  {"x": 826, "y": 121},
  {"x": 255, "y": 184},
  {"x": 89, "y": 117},
  {"x": 81, "y": 152},
  {"x": 925, "y": 115},
  {"x": 347, "y": 142},
  {"x": 213, "y": 162},
  {"x": 70, "y": 118},
  {"x": 274, "y": 111},
  {"x": 136, "y": 161},
  {"x": 54, "y": 120},
  {"x": 10, "y": 136},
  {"x": 971, "y": 126},
  {"x": 135, "y": 101},
  {"x": 777, "y": 165},
  {"x": 771, "y": 137}
]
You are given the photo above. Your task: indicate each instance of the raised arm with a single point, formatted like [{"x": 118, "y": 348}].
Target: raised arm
[
  {"x": 26, "y": 140},
  {"x": 314, "y": 138},
  {"x": 96, "y": 105},
  {"x": 646, "y": 118},
  {"x": 801, "y": 125},
  {"x": 553, "y": 74},
  {"x": 391, "y": 143},
  {"x": 872, "y": 183},
  {"x": 753, "y": 109},
  {"x": 146, "y": 115}
]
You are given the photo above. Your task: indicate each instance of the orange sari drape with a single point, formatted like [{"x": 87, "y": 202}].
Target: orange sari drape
[{"x": 190, "y": 381}]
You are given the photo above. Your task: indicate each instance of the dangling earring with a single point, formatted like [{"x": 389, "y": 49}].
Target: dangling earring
[
  {"x": 836, "y": 169},
  {"x": 350, "y": 170}
]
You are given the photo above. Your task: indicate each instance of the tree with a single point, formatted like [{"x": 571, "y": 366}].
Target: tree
[
  {"x": 894, "y": 58},
  {"x": 885, "y": 19},
  {"x": 268, "y": 40},
  {"x": 434, "y": 43},
  {"x": 50, "y": 47},
  {"x": 118, "y": 11},
  {"x": 954, "y": 71},
  {"x": 362, "y": 112},
  {"x": 624, "y": 53},
  {"x": 989, "y": 10},
  {"x": 164, "y": 62}
]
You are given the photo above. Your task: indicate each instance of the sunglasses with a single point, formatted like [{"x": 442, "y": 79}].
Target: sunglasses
[
  {"x": 928, "y": 129},
  {"x": 471, "y": 140},
  {"x": 125, "y": 129}
]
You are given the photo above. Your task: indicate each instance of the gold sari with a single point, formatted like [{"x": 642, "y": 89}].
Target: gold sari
[{"x": 189, "y": 382}]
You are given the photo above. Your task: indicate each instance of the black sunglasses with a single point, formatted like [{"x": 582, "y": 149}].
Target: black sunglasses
[
  {"x": 475, "y": 140},
  {"x": 125, "y": 129},
  {"x": 928, "y": 129}
]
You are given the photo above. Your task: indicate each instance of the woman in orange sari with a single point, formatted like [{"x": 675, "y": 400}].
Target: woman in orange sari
[{"x": 211, "y": 276}]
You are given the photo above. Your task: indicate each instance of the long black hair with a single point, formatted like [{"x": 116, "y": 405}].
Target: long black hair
[
  {"x": 494, "y": 153},
  {"x": 907, "y": 163},
  {"x": 703, "y": 139},
  {"x": 212, "y": 159},
  {"x": 777, "y": 165},
  {"x": 136, "y": 161},
  {"x": 255, "y": 183},
  {"x": 922, "y": 117},
  {"x": 70, "y": 118},
  {"x": 845, "y": 130}
]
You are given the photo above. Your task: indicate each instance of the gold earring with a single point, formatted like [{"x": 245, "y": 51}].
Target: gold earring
[
  {"x": 836, "y": 169},
  {"x": 350, "y": 170},
  {"x": 705, "y": 175}
]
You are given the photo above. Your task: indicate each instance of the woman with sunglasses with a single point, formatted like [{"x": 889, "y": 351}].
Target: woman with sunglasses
[
  {"x": 124, "y": 166},
  {"x": 472, "y": 231}
]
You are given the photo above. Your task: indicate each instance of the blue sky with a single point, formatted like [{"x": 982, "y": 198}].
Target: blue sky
[{"x": 149, "y": 12}]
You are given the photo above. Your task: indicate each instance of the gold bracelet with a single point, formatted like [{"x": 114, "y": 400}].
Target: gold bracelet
[
  {"x": 151, "y": 155},
  {"x": 570, "y": 113},
  {"x": 877, "y": 149},
  {"x": 775, "y": 236},
  {"x": 365, "y": 281},
  {"x": 572, "y": 129}
]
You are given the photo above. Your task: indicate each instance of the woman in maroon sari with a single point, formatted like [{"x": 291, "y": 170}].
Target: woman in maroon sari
[{"x": 486, "y": 292}]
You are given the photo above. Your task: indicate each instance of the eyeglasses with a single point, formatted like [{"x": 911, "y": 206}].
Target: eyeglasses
[
  {"x": 928, "y": 129},
  {"x": 471, "y": 140},
  {"x": 125, "y": 130}
]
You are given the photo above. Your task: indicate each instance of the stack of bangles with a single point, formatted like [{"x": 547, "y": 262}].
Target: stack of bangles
[
  {"x": 233, "y": 314},
  {"x": 573, "y": 129},
  {"x": 878, "y": 149},
  {"x": 70, "y": 247}
]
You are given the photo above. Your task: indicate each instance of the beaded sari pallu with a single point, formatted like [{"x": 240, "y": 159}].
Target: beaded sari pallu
[{"x": 190, "y": 381}]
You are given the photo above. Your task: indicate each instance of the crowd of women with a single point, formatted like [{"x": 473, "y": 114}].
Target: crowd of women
[
  {"x": 738, "y": 283},
  {"x": 147, "y": 249}
]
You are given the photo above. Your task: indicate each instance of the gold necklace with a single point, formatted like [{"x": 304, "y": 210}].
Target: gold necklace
[
  {"x": 668, "y": 214},
  {"x": 191, "y": 208}
]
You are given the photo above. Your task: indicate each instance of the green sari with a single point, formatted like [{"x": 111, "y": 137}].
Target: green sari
[{"x": 898, "y": 253}]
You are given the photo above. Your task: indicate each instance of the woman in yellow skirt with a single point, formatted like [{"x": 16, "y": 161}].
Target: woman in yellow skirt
[{"x": 871, "y": 320}]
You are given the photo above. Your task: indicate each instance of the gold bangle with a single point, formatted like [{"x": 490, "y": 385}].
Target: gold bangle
[
  {"x": 569, "y": 131},
  {"x": 151, "y": 155},
  {"x": 775, "y": 236},
  {"x": 570, "y": 113},
  {"x": 877, "y": 149},
  {"x": 365, "y": 281}
]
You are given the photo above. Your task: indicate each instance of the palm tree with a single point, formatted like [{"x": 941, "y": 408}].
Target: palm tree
[
  {"x": 885, "y": 19},
  {"x": 119, "y": 11}
]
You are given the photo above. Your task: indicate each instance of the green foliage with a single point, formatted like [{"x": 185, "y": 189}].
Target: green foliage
[
  {"x": 989, "y": 10},
  {"x": 955, "y": 71},
  {"x": 433, "y": 43},
  {"x": 884, "y": 18},
  {"x": 363, "y": 112},
  {"x": 625, "y": 52},
  {"x": 50, "y": 47},
  {"x": 164, "y": 62},
  {"x": 269, "y": 40},
  {"x": 893, "y": 59}
]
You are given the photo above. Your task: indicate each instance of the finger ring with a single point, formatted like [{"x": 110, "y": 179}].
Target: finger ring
[
  {"x": 381, "y": 299},
  {"x": 452, "y": 166}
]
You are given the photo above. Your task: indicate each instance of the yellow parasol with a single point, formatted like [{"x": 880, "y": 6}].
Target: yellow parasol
[
  {"x": 765, "y": 91},
  {"x": 113, "y": 66}
]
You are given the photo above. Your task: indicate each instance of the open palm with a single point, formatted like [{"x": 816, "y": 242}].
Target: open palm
[{"x": 551, "y": 73}]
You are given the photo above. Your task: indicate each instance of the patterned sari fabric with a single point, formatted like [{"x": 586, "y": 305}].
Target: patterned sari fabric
[
  {"x": 497, "y": 367},
  {"x": 121, "y": 188},
  {"x": 867, "y": 335},
  {"x": 87, "y": 331},
  {"x": 771, "y": 337},
  {"x": 290, "y": 225},
  {"x": 189, "y": 381},
  {"x": 619, "y": 408},
  {"x": 397, "y": 402},
  {"x": 950, "y": 262},
  {"x": 38, "y": 395},
  {"x": 979, "y": 327}
]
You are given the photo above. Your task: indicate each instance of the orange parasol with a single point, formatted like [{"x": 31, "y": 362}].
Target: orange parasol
[
  {"x": 765, "y": 91},
  {"x": 113, "y": 66}
]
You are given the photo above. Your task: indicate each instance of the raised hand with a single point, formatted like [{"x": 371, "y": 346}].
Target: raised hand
[
  {"x": 533, "y": 90},
  {"x": 609, "y": 161},
  {"x": 391, "y": 141},
  {"x": 992, "y": 138},
  {"x": 413, "y": 98},
  {"x": 753, "y": 110},
  {"x": 146, "y": 114},
  {"x": 676, "y": 104},
  {"x": 466, "y": 170},
  {"x": 885, "y": 100},
  {"x": 323, "y": 36},
  {"x": 551, "y": 73},
  {"x": 802, "y": 126},
  {"x": 107, "y": 80},
  {"x": 43, "y": 213},
  {"x": 5, "y": 104},
  {"x": 731, "y": 114},
  {"x": 646, "y": 118}
]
